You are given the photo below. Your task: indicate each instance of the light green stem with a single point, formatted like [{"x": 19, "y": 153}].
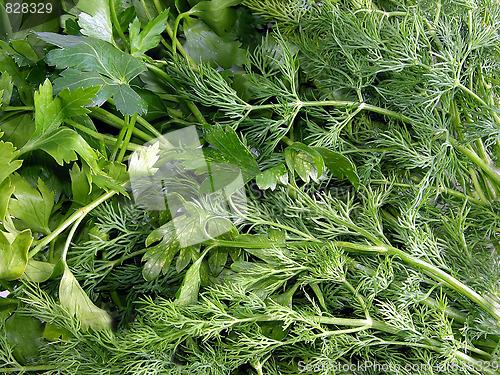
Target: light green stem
[
  {"x": 108, "y": 140},
  {"x": 337, "y": 104},
  {"x": 448, "y": 280},
  {"x": 119, "y": 140},
  {"x": 116, "y": 23},
  {"x": 70, "y": 237},
  {"x": 442, "y": 189},
  {"x": 128, "y": 135},
  {"x": 487, "y": 168},
  {"x": 70, "y": 220},
  {"x": 117, "y": 122},
  {"x": 148, "y": 126},
  {"x": 8, "y": 108}
]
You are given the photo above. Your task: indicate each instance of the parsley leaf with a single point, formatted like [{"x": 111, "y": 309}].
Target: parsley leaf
[{"x": 95, "y": 62}]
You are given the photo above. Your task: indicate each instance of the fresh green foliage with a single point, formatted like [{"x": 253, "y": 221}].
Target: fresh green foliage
[
  {"x": 336, "y": 201},
  {"x": 229, "y": 150},
  {"x": 95, "y": 19},
  {"x": 14, "y": 255},
  {"x": 149, "y": 37},
  {"x": 33, "y": 206},
  {"x": 93, "y": 62},
  {"x": 74, "y": 299}
]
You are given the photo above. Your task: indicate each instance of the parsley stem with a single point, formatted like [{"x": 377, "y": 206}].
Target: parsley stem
[
  {"x": 9, "y": 108},
  {"x": 116, "y": 23},
  {"x": 477, "y": 186},
  {"x": 148, "y": 126},
  {"x": 176, "y": 44},
  {"x": 128, "y": 135},
  {"x": 119, "y": 141},
  {"x": 116, "y": 122},
  {"x": 70, "y": 220},
  {"x": 108, "y": 140},
  {"x": 72, "y": 232}
]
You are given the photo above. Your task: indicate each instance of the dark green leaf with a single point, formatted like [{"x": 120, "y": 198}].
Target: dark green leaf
[
  {"x": 24, "y": 335},
  {"x": 96, "y": 62},
  {"x": 205, "y": 46},
  {"x": 229, "y": 150},
  {"x": 339, "y": 166},
  {"x": 218, "y": 14}
]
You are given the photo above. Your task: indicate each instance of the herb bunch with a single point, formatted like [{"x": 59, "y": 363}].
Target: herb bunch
[{"x": 366, "y": 134}]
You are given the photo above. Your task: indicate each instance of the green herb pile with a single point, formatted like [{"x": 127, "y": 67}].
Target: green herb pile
[{"x": 366, "y": 135}]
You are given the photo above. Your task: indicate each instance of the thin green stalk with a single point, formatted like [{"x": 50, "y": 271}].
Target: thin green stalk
[
  {"x": 442, "y": 189},
  {"x": 108, "y": 140},
  {"x": 148, "y": 126},
  {"x": 357, "y": 229},
  {"x": 448, "y": 280},
  {"x": 27, "y": 368},
  {"x": 360, "y": 299},
  {"x": 162, "y": 74},
  {"x": 486, "y": 167},
  {"x": 9, "y": 108},
  {"x": 70, "y": 220},
  {"x": 383, "y": 13},
  {"x": 116, "y": 122},
  {"x": 180, "y": 48},
  {"x": 178, "y": 19},
  {"x": 119, "y": 140},
  {"x": 429, "y": 270},
  {"x": 169, "y": 97},
  {"x": 480, "y": 101},
  {"x": 130, "y": 129},
  {"x": 145, "y": 7},
  {"x": 120, "y": 260},
  {"x": 71, "y": 233},
  {"x": 116, "y": 23},
  {"x": 337, "y": 104}
]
